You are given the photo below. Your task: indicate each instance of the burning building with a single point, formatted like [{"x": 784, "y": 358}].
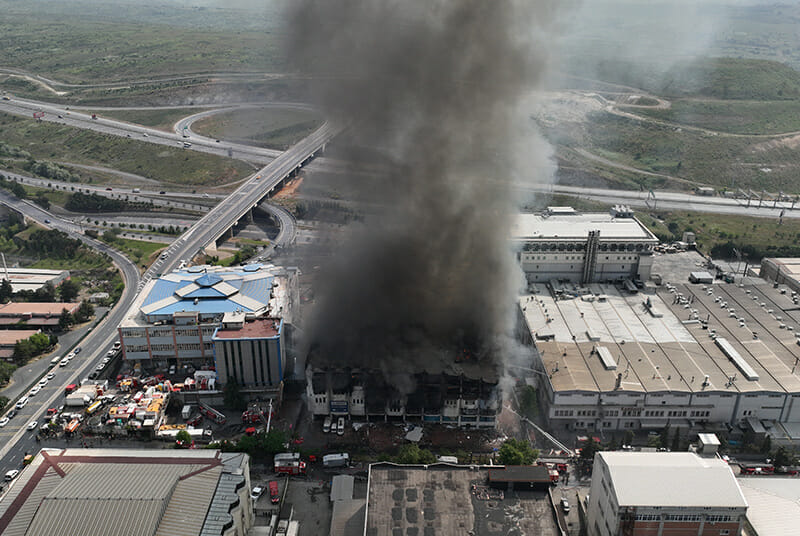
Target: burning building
[
  {"x": 437, "y": 92},
  {"x": 462, "y": 395}
]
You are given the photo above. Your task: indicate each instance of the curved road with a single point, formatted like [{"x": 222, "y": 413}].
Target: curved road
[{"x": 14, "y": 438}]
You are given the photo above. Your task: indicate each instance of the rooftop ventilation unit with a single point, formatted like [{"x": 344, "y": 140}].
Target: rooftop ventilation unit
[
  {"x": 737, "y": 359},
  {"x": 606, "y": 358}
]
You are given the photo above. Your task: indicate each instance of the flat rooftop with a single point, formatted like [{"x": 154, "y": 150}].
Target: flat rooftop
[
  {"x": 576, "y": 226},
  {"x": 440, "y": 500},
  {"x": 684, "y": 479},
  {"x": 590, "y": 342},
  {"x": 10, "y": 337},
  {"x": 257, "y": 329}
]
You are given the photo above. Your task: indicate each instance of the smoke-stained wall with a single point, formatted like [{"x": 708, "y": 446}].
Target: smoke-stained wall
[{"x": 436, "y": 87}]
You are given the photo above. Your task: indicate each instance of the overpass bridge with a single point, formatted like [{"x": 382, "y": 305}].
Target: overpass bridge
[{"x": 238, "y": 205}]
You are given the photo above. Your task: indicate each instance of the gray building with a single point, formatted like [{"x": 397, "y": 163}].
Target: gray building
[
  {"x": 251, "y": 352},
  {"x": 563, "y": 244}
]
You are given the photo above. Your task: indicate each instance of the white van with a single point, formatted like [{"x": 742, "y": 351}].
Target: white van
[
  {"x": 326, "y": 426},
  {"x": 55, "y": 361}
]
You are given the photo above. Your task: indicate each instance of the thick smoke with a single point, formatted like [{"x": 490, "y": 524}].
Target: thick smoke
[{"x": 436, "y": 86}]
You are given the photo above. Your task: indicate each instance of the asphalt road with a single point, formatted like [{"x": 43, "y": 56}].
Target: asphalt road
[{"x": 15, "y": 440}]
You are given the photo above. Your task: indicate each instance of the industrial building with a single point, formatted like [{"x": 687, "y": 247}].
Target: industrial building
[
  {"x": 564, "y": 245},
  {"x": 10, "y": 337},
  {"x": 33, "y": 279},
  {"x": 784, "y": 271},
  {"x": 663, "y": 493},
  {"x": 43, "y": 315},
  {"x": 130, "y": 492},
  {"x": 175, "y": 317},
  {"x": 451, "y": 500},
  {"x": 683, "y": 356},
  {"x": 465, "y": 394}
]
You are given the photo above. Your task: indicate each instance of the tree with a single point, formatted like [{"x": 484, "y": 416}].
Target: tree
[
  {"x": 782, "y": 458},
  {"x": 517, "y": 452},
  {"x": 3, "y": 402},
  {"x": 85, "y": 312},
  {"x": 46, "y": 293},
  {"x": 412, "y": 454},
  {"x": 182, "y": 439},
  {"x": 6, "y": 290},
  {"x": 69, "y": 290},
  {"x": 65, "y": 320},
  {"x": 232, "y": 395},
  {"x": 589, "y": 448}
]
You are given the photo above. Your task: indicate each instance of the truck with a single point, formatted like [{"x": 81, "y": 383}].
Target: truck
[
  {"x": 290, "y": 468},
  {"x": 94, "y": 116},
  {"x": 336, "y": 460},
  {"x": 273, "y": 492},
  {"x": 186, "y": 412},
  {"x": 285, "y": 457}
]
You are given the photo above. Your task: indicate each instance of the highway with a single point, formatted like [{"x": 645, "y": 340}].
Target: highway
[
  {"x": 14, "y": 437},
  {"x": 15, "y": 440},
  {"x": 235, "y": 206},
  {"x": 669, "y": 200}
]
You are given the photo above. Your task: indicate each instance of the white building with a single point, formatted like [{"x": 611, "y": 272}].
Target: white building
[
  {"x": 663, "y": 493},
  {"x": 174, "y": 318},
  {"x": 562, "y": 244}
]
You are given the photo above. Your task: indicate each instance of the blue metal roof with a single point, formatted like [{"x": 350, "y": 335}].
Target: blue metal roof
[
  {"x": 208, "y": 280},
  {"x": 209, "y": 299},
  {"x": 162, "y": 289}
]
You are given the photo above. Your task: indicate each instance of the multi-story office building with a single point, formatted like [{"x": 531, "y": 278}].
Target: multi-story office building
[{"x": 175, "y": 317}]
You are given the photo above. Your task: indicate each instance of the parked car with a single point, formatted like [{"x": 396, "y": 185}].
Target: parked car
[
  {"x": 564, "y": 504},
  {"x": 77, "y": 350},
  {"x": 50, "y": 375},
  {"x": 326, "y": 425},
  {"x": 257, "y": 492},
  {"x": 43, "y": 382},
  {"x": 32, "y": 425},
  {"x": 4, "y": 421},
  {"x": 12, "y": 474},
  {"x": 21, "y": 402},
  {"x": 340, "y": 426},
  {"x": 34, "y": 391}
]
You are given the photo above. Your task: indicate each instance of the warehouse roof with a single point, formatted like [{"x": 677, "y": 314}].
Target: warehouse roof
[
  {"x": 672, "y": 352},
  {"x": 10, "y": 337},
  {"x": 682, "y": 478},
  {"x": 112, "y": 492}
]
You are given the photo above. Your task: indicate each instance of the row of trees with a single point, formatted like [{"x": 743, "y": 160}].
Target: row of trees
[
  {"x": 49, "y": 170},
  {"x": 33, "y": 346}
]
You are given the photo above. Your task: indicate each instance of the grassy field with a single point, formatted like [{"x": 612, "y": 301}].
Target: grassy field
[
  {"x": 718, "y": 234},
  {"x": 86, "y": 42},
  {"x": 160, "y": 119},
  {"x": 139, "y": 251},
  {"x": 720, "y": 161},
  {"x": 166, "y": 164},
  {"x": 737, "y": 117},
  {"x": 265, "y": 127}
]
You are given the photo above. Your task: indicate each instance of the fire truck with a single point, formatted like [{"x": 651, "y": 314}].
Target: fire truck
[{"x": 290, "y": 468}]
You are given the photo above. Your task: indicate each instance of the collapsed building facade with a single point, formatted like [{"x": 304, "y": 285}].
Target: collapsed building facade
[{"x": 461, "y": 395}]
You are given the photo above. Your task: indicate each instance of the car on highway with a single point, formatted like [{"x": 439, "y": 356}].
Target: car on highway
[
  {"x": 34, "y": 391},
  {"x": 12, "y": 413},
  {"x": 145, "y": 135},
  {"x": 50, "y": 375},
  {"x": 12, "y": 474},
  {"x": 162, "y": 192},
  {"x": 21, "y": 402},
  {"x": 60, "y": 116},
  {"x": 77, "y": 350},
  {"x": 43, "y": 382},
  {"x": 4, "y": 421},
  {"x": 70, "y": 355},
  {"x": 32, "y": 425},
  {"x": 64, "y": 362},
  {"x": 46, "y": 220},
  {"x": 109, "y": 190},
  {"x": 206, "y": 195}
]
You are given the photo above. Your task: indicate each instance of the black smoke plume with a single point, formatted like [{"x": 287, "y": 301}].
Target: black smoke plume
[{"x": 436, "y": 87}]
